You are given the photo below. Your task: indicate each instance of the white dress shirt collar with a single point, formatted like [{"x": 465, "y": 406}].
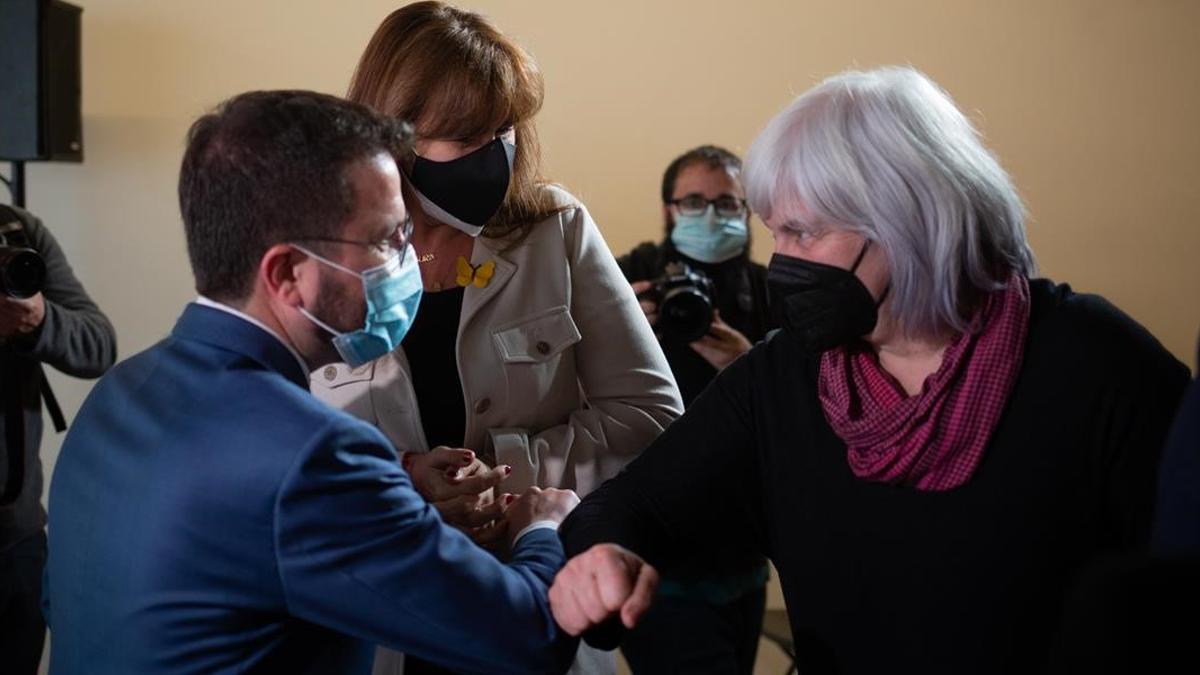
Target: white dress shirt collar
[{"x": 207, "y": 302}]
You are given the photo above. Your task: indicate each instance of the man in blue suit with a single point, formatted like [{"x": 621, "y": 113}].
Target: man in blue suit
[{"x": 207, "y": 514}]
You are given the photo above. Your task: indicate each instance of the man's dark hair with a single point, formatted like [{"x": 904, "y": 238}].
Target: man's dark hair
[
  {"x": 267, "y": 167},
  {"x": 705, "y": 154}
]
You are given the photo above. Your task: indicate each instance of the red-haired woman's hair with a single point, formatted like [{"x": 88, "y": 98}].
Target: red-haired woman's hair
[{"x": 453, "y": 74}]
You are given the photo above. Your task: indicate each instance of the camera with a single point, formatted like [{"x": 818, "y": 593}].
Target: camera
[
  {"x": 685, "y": 303},
  {"x": 22, "y": 271}
]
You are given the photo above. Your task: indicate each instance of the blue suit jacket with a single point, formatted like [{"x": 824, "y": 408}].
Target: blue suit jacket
[{"x": 207, "y": 514}]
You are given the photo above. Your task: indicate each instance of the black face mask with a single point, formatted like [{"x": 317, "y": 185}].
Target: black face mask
[
  {"x": 465, "y": 192},
  {"x": 820, "y": 306}
]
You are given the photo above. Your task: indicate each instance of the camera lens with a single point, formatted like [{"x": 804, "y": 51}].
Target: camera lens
[
  {"x": 685, "y": 314},
  {"x": 22, "y": 272}
]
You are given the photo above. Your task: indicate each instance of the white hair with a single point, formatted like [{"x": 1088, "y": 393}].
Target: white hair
[{"x": 886, "y": 153}]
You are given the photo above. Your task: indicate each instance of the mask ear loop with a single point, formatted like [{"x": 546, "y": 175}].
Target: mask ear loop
[
  {"x": 325, "y": 260},
  {"x": 886, "y": 290},
  {"x": 862, "y": 253},
  {"x": 303, "y": 310},
  {"x": 854, "y": 268},
  {"x": 320, "y": 324}
]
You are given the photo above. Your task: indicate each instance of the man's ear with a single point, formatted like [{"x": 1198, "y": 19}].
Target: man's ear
[{"x": 280, "y": 272}]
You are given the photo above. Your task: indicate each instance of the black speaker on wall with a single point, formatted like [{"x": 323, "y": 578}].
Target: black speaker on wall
[{"x": 40, "y": 68}]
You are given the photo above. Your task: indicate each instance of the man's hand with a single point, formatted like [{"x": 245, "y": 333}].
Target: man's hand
[
  {"x": 722, "y": 345},
  {"x": 21, "y": 317},
  {"x": 539, "y": 504},
  {"x": 603, "y": 581},
  {"x": 458, "y": 484},
  {"x": 649, "y": 307}
]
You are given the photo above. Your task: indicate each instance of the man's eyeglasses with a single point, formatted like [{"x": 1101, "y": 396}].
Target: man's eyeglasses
[
  {"x": 695, "y": 205},
  {"x": 396, "y": 241}
]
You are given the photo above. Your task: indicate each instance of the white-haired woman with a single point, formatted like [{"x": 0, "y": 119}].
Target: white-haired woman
[{"x": 934, "y": 445}]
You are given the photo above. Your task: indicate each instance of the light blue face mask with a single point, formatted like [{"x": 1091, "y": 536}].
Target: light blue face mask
[
  {"x": 393, "y": 292},
  {"x": 708, "y": 237}
]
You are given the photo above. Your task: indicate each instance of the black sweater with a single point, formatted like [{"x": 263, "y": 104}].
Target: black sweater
[
  {"x": 432, "y": 345},
  {"x": 880, "y": 578}
]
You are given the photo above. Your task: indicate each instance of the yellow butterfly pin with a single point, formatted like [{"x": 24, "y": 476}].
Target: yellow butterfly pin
[{"x": 479, "y": 275}]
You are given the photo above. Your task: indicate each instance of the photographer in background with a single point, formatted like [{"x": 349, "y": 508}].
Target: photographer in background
[
  {"x": 706, "y": 218},
  {"x": 707, "y": 616},
  {"x": 43, "y": 319}
]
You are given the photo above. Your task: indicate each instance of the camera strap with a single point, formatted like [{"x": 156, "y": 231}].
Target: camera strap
[{"x": 55, "y": 411}]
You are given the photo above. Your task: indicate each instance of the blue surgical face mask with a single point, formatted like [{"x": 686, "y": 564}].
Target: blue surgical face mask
[
  {"x": 393, "y": 292},
  {"x": 708, "y": 237}
]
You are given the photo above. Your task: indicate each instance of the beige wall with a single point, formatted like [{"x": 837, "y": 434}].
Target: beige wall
[{"x": 1092, "y": 105}]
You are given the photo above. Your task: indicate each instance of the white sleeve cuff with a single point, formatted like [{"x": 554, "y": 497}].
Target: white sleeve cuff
[{"x": 535, "y": 525}]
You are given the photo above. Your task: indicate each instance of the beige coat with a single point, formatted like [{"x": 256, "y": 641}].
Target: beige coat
[{"x": 562, "y": 376}]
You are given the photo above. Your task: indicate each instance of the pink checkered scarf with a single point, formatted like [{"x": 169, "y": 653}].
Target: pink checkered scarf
[{"x": 935, "y": 439}]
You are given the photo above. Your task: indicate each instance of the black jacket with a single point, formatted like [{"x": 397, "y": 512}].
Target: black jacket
[{"x": 76, "y": 339}]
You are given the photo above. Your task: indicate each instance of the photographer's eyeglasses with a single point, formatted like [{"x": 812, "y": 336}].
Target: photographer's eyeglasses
[
  {"x": 726, "y": 206},
  {"x": 396, "y": 241}
]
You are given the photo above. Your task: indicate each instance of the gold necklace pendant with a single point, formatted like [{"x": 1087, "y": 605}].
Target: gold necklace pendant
[{"x": 428, "y": 257}]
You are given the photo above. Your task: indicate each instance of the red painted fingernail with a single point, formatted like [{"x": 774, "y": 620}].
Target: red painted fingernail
[
  {"x": 507, "y": 470},
  {"x": 508, "y": 499}
]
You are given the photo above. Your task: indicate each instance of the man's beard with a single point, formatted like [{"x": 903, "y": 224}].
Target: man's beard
[{"x": 331, "y": 307}]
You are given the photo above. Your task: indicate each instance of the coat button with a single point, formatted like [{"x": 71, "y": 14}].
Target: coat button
[
  {"x": 330, "y": 373},
  {"x": 543, "y": 347},
  {"x": 483, "y": 405}
]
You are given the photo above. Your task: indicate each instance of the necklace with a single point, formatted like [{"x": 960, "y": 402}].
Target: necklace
[{"x": 428, "y": 257}]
